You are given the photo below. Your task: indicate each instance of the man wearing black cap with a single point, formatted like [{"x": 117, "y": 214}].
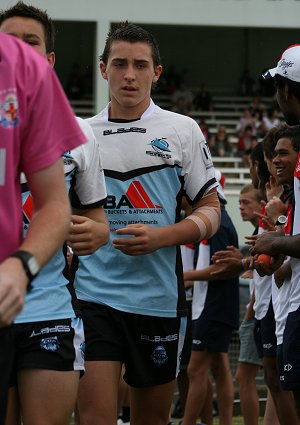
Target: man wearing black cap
[{"x": 287, "y": 83}]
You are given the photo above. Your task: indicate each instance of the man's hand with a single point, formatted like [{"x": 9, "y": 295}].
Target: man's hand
[
  {"x": 229, "y": 267},
  {"x": 266, "y": 243},
  {"x": 143, "y": 239},
  {"x": 275, "y": 263},
  {"x": 13, "y": 284},
  {"x": 230, "y": 252},
  {"x": 273, "y": 189},
  {"x": 86, "y": 235}
]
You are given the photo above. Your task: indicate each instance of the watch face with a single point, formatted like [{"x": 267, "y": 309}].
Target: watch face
[
  {"x": 33, "y": 266},
  {"x": 282, "y": 219}
]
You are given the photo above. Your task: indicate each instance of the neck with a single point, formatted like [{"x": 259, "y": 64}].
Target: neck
[{"x": 117, "y": 111}]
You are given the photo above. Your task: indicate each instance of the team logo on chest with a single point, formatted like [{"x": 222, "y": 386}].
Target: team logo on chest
[
  {"x": 9, "y": 111},
  {"x": 160, "y": 148}
]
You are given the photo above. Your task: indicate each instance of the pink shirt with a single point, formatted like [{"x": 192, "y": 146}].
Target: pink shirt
[{"x": 37, "y": 126}]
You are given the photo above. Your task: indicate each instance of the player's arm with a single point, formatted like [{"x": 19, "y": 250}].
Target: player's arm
[
  {"x": 201, "y": 224},
  {"x": 89, "y": 230},
  {"x": 47, "y": 232}
]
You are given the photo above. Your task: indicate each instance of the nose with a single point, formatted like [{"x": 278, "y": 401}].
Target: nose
[{"x": 130, "y": 74}]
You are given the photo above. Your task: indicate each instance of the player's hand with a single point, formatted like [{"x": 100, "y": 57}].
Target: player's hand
[
  {"x": 229, "y": 267},
  {"x": 230, "y": 252},
  {"x": 142, "y": 239},
  {"x": 13, "y": 284},
  {"x": 275, "y": 263},
  {"x": 274, "y": 208},
  {"x": 267, "y": 221},
  {"x": 273, "y": 189},
  {"x": 265, "y": 243},
  {"x": 85, "y": 236}
]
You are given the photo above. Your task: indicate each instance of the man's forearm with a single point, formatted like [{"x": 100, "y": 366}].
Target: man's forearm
[
  {"x": 287, "y": 245},
  {"x": 47, "y": 231}
]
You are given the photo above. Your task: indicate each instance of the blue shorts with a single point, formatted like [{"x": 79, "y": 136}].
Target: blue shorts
[
  {"x": 264, "y": 334},
  {"x": 211, "y": 336},
  {"x": 291, "y": 352},
  {"x": 148, "y": 346}
]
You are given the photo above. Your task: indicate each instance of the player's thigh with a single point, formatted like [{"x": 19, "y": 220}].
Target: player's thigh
[
  {"x": 98, "y": 392},
  {"x": 199, "y": 363},
  {"x": 151, "y": 405},
  {"x": 47, "y": 396},
  {"x": 13, "y": 416}
]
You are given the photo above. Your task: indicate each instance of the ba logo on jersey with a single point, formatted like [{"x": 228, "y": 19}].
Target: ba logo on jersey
[
  {"x": 160, "y": 148},
  {"x": 135, "y": 197}
]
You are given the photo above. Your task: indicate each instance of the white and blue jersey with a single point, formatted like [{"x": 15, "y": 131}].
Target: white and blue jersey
[
  {"x": 49, "y": 298},
  {"x": 148, "y": 164}
]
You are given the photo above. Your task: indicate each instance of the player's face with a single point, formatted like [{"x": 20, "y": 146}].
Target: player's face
[
  {"x": 130, "y": 74},
  {"x": 248, "y": 205},
  {"x": 284, "y": 161},
  {"x": 287, "y": 105},
  {"x": 30, "y": 31}
]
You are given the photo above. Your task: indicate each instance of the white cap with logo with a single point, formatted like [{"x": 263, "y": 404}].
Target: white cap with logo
[{"x": 288, "y": 65}]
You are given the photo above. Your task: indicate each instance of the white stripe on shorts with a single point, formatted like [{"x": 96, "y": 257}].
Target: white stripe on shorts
[
  {"x": 182, "y": 331},
  {"x": 78, "y": 343}
]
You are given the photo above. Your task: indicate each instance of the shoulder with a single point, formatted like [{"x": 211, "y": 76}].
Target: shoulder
[{"x": 85, "y": 127}]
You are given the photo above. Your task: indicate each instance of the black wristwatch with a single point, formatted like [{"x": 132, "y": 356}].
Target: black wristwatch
[
  {"x": 281, "y": 220},
  {"x": 30, "y": 265}
]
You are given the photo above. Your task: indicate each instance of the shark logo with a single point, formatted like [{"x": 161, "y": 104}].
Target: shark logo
[
  {"x": 159, "y": 356},
  {"x": 160, "y": 148},
  {"x": 160, "y": 145},
  {"x": 50, "y": 344}
]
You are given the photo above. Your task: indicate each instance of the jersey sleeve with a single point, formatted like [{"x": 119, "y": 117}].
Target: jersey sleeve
[
  {"x": 50, "y": 128},
  {"x": 198, "y": 170},
  {"x": 89, "y": 188}
]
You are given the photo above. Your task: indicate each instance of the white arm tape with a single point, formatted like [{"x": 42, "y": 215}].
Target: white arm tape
[{"x": 208, "y": 224}]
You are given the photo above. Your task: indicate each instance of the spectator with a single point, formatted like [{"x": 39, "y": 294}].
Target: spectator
[
  {"x": 269, "y": 121},
  {"x": 247, "y": 84},
  {"x": 185, "y": 96},
  {"x": 203, "y": 99},
  {"x": 246, "y": 120},
  {"x": 204, "y": 128},
  {"x": 244, "y": 141},
  {"x": 219, "y": 144}
]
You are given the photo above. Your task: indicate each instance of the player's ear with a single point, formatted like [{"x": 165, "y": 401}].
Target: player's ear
[
  {"x": 51, "y": 58},
  {"x": 103, "y": 70},
  {"x": 157, "y": 72}
]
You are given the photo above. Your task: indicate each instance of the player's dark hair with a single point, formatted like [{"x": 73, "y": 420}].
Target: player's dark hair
[
  {"x": 294, "y": 87},
  {"x": 27, "y": 11},
  {"x": 257, "y": 157},
  {"x": 271, "y": 138},
  {"x": 292, "y": 133},
  {"x": 126, "y": 31}
]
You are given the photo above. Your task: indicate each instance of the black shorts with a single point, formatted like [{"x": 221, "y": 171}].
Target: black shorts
[
  {"x": 211, "y": 336},
  {"x": 148, "y": 346},
  {"x": 291, "y": 352},
  {"x": 6, "y": 361},
  {"x": 264, "y": 334},
  {"x": 51, "y": 345}
]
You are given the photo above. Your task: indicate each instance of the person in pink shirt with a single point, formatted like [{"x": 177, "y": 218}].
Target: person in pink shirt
[{"x": 36, "y": 127}]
